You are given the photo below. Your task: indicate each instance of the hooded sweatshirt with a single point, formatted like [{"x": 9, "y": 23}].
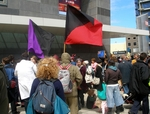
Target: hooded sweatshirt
[
  {"x": 112, "y": 75},
  {"x": 75, "y": 74}
]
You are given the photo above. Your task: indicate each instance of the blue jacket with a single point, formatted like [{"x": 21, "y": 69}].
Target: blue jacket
[
  {"x": 125, "y": 68},
  {"x": 9, "y": 71},
  {"x": 57, "y": 84}
]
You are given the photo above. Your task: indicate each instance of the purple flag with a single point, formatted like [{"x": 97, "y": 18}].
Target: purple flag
[{"x": 39, "y": 41}]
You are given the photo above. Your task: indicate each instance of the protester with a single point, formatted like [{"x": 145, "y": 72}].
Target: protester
[
  {"x": 113, "y": 96},
  {"x": 76, "y": 78},
  {"x": 139, "y": 85},
  {"x": 50, "y": 72},
  {"x": 10, "y": 76},
  {"x": 114, "y": 58},
  {"x": 136, "y": 57},
  {"x": 4, "y": 106},
  {"x": 125, "y": 69},
  {"x": 34, "y": 59},
  {"x": 83, "y": 87},
  {"x": 25, "y": 71},
  {"x": 47, "y": 69},
  {"x": 89, "y": 74},
  {"x": 106, "y": 64},
  {"x": 93, "y": 64},
  {"x": 98, "y": 74}
]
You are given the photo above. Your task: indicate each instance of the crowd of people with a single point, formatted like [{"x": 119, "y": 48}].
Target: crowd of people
[{"x": 101, "y": 78}]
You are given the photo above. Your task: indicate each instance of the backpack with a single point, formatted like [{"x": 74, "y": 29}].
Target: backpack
[
  {"x": 44, "y": 97},
  {"x": 64, "y": 77},
  {"x": 89, "y": 75}
]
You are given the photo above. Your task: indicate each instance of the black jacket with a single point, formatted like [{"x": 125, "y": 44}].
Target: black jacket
[
  {"x": 139, "y": 79},
  {"x": 98, "y": 74},
  {"x": 3, "y": 95}
]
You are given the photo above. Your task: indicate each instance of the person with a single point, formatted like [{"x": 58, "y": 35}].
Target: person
[
  {"x": 34, "y": 59},
  {"x": 72, "y": 61},
  {"x": 83, "y": 87},
  {"x": 89, "y": 74},
  {"x": 47, "y": 69},
  {"x": 114, "y": 58},
  {"x": 98, "y": 74},
  {"x": 76, "y": 78},
  {"x": 136, "y": 57},
  {"x": 140, "y": 71},
  {"x": 25, "y": 71},
  {"x": 10, "y": 76},
  {"x": 113, "y": 96},
  {"x": 125, "y": 69},
  {"x": 93, "y": 64},
  {"x": 4, "y": 106},
  {"x": 106, "y": 64},
  {"x": 51, "y": 72}
]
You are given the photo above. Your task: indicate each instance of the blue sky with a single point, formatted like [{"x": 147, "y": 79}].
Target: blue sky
[{"x": 122, "y": 14}]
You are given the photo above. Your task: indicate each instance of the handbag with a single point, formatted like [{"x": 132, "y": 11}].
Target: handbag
[
  {"x": 60, "y": 107},
  {"x": 102, "y": 94},
  {"x": 12, "y": 84},
  {"x": 96, "y": 81},
  {"x": 30, "y": 109}
]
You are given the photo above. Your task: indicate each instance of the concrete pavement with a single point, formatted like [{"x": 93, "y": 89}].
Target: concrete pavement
[{"x": 90, "y": 111}]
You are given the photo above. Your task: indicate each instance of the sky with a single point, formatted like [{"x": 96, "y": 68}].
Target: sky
[{"x": 123, "y": 15}]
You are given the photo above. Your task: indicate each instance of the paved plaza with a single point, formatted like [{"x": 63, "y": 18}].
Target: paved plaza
[{"x": 90, "y": 111}]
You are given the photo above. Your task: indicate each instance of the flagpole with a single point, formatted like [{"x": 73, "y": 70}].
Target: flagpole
[{"x": 64, "y": 47}]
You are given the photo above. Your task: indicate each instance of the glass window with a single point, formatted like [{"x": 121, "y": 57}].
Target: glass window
[
  {"x": 134, "y": 43},
  {"x": 129, "y": 44},
  {"x": 134, "y": 38},
  {"x": 3, "y": 2},
  {"x": 128, "y": 38},
  {"x": 146, "y": 5}
]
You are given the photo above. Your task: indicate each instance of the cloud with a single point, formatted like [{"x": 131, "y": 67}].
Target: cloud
[
  {"x": 116, "y": 5},
  {"x": 115, "y": 21}
]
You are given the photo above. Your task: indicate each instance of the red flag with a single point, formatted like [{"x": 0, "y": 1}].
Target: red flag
[{"x": 82, "y": 29}]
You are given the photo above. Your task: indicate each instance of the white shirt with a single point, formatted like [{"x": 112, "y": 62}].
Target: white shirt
[{"x": 25, "y": 71}]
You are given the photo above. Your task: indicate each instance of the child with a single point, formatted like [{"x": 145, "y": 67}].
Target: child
[{"x": 90, "y": 99}]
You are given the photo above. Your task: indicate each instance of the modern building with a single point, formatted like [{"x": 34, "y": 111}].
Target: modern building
[
  {"x": 15, "y": 15},
  {"x": 142, "y": 9},
  {"x": 114, "y": 47}
]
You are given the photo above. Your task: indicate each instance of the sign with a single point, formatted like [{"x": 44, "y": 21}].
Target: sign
[
  {"x": 63, "y": 5},
  {"x": 119, "y": 52}
]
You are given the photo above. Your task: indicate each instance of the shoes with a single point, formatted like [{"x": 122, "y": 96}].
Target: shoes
[
  {"x": 22, "y": 104},
  {"x": 110, "y": 111},
  {"x": 17, "y": 104},
  {"x": 119, "y": 109}
]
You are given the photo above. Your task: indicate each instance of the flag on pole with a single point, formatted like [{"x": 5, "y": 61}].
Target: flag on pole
[
  {"x": 101, "y": 54},
  {"x": 39, "y": 40},
  {"x": 81, "y": 28}
]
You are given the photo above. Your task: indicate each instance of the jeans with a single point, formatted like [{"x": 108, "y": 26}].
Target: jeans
[
  {"x": 126, "y": 88},
  {"x": 113, "y": 96},
  {"x": 137, "y": 104}
]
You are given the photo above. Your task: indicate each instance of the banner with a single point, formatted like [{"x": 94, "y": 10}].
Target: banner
[{"x": 63, "y": 5}]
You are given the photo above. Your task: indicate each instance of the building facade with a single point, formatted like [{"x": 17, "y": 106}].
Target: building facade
[
  {"x": 16, "y": 43},
  {"x": 142, "y": 9}
]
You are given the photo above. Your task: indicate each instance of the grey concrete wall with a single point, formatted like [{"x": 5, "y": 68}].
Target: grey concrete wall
[
  {"x": 35, "y": 8},
  {"x": 99, "y": 9}
]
